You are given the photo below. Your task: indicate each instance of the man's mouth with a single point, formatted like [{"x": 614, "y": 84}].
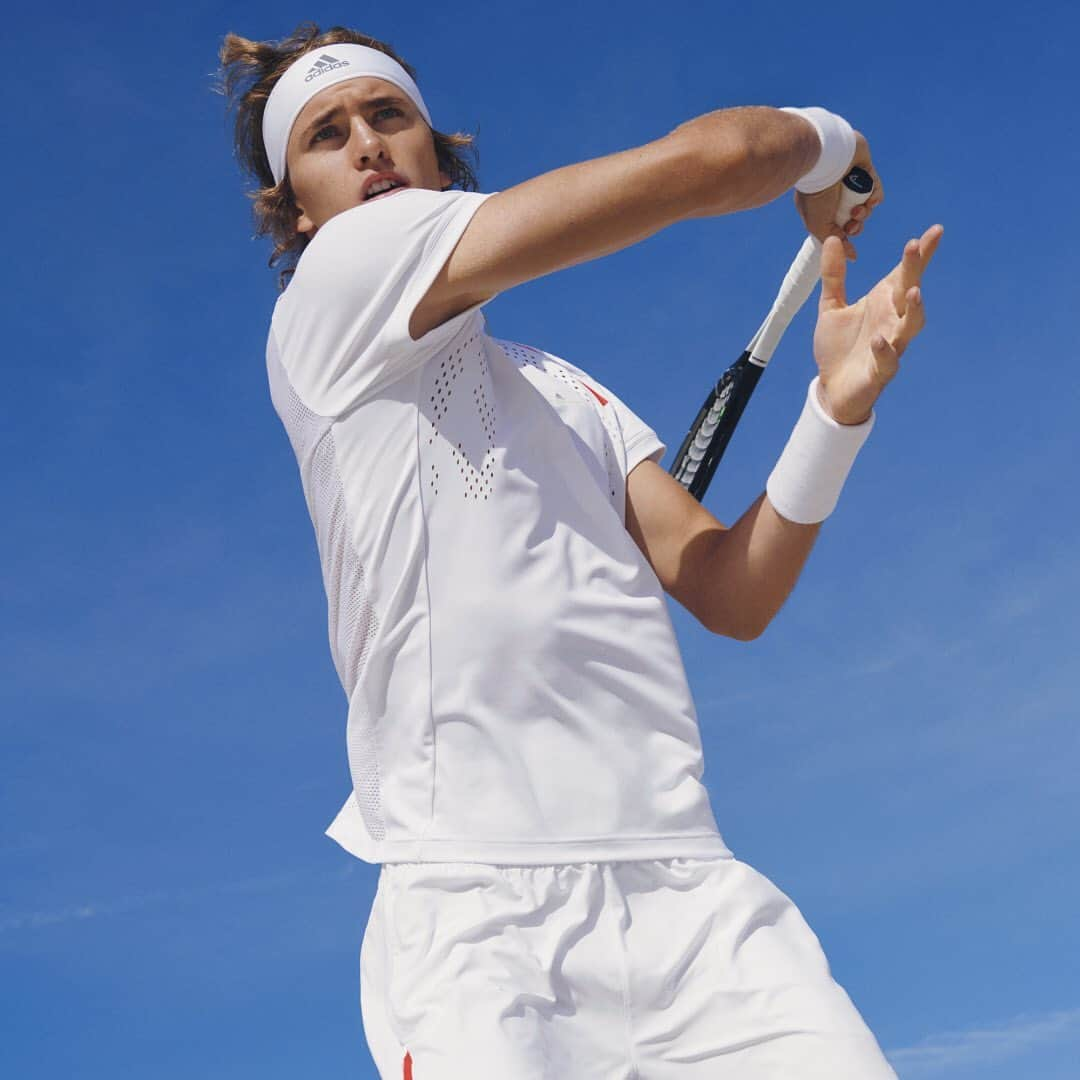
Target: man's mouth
[{"x": 381, "y": 188}]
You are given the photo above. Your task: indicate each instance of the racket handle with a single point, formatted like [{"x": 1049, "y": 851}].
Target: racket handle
[{"x": 858, "y": 187}]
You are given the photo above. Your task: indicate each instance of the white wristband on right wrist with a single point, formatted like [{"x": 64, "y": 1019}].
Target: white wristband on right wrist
[
  {"x": 837, "y": 149},
  {"x": 805, "y": 484}
]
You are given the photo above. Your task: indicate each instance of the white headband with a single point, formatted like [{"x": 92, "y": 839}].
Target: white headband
[{"x": 315, "y": 71}]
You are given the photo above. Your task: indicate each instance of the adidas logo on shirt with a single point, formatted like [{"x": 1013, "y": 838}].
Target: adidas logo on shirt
[{"x": 325, "y": 63}]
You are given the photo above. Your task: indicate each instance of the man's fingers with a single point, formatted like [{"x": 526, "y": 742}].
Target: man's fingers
[
  {"x": 928, "y": 243},
  {"x": 877, "y": 196},
  {"x": 833, "y": 269},
  {"x": 913, "y": 321},
  {"x": 845, "y": 240},
  {"x": 886, "y": 358},
  {"x": 923, "y": 251},
  {"x": 916, "y": 257},
  {"x": 910, "y": 272}
]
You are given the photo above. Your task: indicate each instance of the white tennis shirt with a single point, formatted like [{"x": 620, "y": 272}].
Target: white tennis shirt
[{"x": 515, "y": 689}]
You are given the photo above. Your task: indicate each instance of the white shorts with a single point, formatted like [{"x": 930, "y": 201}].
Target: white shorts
[{"x": 661, "y": 969}]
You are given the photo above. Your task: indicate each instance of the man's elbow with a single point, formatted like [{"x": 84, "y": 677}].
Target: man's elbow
[{"x": 747, "y": 627}]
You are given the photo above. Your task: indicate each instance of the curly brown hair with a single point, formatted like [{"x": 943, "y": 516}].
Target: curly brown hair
[{"x": 249, "y": 71}]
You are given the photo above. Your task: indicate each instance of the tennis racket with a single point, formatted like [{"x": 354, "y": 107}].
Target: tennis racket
[{"x": 715, "y": 423}]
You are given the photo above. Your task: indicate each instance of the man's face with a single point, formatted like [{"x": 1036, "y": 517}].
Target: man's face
[{"x": 351, "y": 138}]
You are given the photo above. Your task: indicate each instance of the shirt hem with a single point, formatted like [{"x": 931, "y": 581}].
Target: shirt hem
[{"x": 546, "y": 852}]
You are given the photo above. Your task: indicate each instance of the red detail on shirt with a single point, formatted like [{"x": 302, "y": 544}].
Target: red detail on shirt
[
  {"x": 408, "y": 1065},
  {"x": 603, "y": 401}
]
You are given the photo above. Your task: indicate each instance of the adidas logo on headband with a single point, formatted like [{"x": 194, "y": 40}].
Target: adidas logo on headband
[{"x": 325, "y": 63}]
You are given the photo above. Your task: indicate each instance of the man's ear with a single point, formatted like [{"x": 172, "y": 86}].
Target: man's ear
[{"x": 304, "y": 224}]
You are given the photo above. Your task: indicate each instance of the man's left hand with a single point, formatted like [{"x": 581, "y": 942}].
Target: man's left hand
[{"x": 858, "y": 346}]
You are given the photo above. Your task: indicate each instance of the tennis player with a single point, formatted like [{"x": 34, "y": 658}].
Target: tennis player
[{"x": 496, "y": 537}]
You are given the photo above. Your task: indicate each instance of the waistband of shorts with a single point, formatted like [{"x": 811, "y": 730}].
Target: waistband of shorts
[{"x": 709, "y": 845}]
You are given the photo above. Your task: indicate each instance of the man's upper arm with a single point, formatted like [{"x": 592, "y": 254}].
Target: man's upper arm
[
  {"x": 677, "y": 535},
  {"x": 562, "y": 218}
]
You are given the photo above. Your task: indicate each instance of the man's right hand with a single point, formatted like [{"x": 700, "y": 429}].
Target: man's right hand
[{"x": 818, "y": 211}]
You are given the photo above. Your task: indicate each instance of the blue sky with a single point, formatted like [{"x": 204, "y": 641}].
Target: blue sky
[{"x": 899, "y": 752}]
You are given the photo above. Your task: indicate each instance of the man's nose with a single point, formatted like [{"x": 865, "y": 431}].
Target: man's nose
[{"x": 369, "y": 144}]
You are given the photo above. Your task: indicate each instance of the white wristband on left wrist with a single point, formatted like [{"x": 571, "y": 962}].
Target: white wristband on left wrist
[{"x": 805, "y": 485}]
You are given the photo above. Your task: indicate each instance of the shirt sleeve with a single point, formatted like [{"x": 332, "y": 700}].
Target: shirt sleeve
[{"x": 342, "y": 325}]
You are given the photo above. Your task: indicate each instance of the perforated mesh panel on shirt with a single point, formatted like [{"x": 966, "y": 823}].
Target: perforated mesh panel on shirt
[
  {"x": 462, "y": 371},
  {"x": 545, "y": 362},
  {"x": 352, "y": 621}
]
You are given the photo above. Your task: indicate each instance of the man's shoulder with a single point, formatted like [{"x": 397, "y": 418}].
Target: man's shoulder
[{"x": 364, "y": 246}]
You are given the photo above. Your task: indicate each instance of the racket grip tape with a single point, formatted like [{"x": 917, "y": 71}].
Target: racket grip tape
[{"x": 857, "y": 187}]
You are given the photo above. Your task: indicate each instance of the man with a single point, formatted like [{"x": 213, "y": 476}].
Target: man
[{"x": 496, "y": 536}]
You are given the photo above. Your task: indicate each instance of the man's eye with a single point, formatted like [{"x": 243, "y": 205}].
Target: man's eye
[
  {"x": 327, "y": 130},
  {"x": 391, "y": 110}
]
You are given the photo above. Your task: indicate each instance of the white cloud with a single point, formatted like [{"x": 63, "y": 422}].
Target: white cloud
[
  {"x": 939, "y": 1055},
  {"x": 36, "y": 920},
  {"x": 33, "y": 920}
]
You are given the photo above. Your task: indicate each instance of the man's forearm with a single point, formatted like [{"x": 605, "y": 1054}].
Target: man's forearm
[
  {"x": 758, "y": 561},
  {"x": 776, "y": 147}
]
